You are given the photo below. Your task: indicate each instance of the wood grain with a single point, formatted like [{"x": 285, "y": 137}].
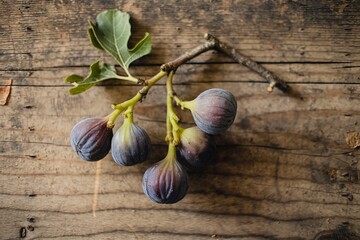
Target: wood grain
[
  {"x": 36, "y": 34},
  {"x": 283, "y": 170}
]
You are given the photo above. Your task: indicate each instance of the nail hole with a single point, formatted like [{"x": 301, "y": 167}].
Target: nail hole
[{"x": 22, "y": 232}]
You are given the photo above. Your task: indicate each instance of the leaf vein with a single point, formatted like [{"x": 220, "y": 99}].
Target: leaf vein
[{"x": 114, "y": 37}]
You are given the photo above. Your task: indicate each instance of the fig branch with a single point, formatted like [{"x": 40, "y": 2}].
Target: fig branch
[{"x": 212, "y": 43}]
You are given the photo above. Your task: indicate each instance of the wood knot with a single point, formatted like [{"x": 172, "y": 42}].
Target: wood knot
[
  {"x": 342, "y": 232},
  {"x": 353, "y": 139}
]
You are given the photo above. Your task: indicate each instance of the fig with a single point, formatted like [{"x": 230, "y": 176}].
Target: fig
[
  {"x": 91, "y": 138},
  {"x": 213, "y": 110},
  {"x": 166, "y": 181},
  {"x": 196, "y": 148},
  {"x": 130, "y": 144}
]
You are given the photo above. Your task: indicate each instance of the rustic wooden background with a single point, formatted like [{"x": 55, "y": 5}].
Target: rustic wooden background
[{"x": 283, "y": 171}]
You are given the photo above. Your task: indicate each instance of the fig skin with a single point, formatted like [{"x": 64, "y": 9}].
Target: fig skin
[
  {"x": 130, "y": 145},
  {"x": 91, "y": 138},
  {"x": 213, "y": 110},
  {"x": 166, "y": 182},
  {"x": 196, "y": 148}
]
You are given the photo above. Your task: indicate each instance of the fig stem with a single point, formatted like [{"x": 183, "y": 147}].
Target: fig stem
[
  {"x": 178, "y": 101},
  {"x": 172, "y": 92},
  {"x": 212, "y": 43},
  {"x": 188, "y": 104},
  {"x": 119, "y": 108},
  {"x": 129, "y": 113},
  {"x": 171, "y": 118},
  {"x": 171, "y": 154}
]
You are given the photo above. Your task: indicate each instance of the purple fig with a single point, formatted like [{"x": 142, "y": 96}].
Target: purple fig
[
  {"x": 214, "y": 110},
  {"x": 130, "y": 144},
  {"x": 167, "y": 180},
  {"x": 91, "y": 138},
  {"x": 196, "y": 148}
]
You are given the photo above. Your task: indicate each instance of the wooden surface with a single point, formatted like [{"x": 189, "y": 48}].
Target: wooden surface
[{"x": 283, "y": 171}]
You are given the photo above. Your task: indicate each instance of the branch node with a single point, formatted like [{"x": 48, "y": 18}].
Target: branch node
[
  {"x": 271, "y": 86},
  {"x": 143, "y": 92},
  {"x": 142, "y": 82},
  {"x": 170, "y": 66}
]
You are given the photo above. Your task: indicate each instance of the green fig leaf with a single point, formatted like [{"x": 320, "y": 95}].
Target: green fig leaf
[
  {"x": 93, "y": 39},
  {"x": 99, "y": 71},
  {"x": 111, "y": 32},
  {"x": 73, "y": 78}
]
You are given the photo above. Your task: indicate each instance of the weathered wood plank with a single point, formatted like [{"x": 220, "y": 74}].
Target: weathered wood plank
[
  {"x": 50, "y": 34},
  {"x": 241, "y": 190},
  {"x": 201, "y": 73},
  {"x": 282, "y": 171}
]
